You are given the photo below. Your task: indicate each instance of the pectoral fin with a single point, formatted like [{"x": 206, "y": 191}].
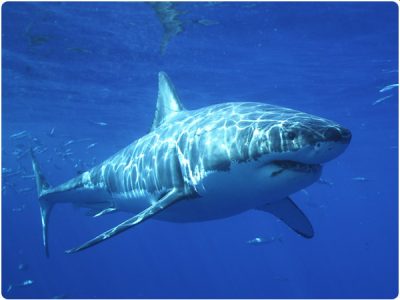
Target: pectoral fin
[
  {"x": 173, "y": 196},
  {"x": 288, "y": 212}
]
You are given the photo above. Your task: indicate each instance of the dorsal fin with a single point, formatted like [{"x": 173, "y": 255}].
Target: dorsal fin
[{"x": 167, "y": 101}]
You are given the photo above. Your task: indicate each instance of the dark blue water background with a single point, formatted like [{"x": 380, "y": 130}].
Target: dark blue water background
[{"x": 67, "y": 65}]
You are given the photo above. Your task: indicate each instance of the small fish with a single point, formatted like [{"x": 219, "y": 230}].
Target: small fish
[
  {"x": 51, "y": 132},
  {"x": 324, "y": 181},
  {"x": 105, "y": 211},
  {"x": 388, "y": 87},
  {"x": 24, "y": 283},
  {"x": 29, "y": 176},
  {"x": 381, "y": 99},
  {"x": 69, "y": 143},
  {"x": 19, "y": 135},
  {"x": 359, "y": 179},
  {"x": 91, "y": 146},
  {"x": 261, "y": 240},
  {"x": 99, "y": 123}
]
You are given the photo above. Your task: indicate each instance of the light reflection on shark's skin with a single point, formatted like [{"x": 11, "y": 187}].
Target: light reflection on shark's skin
[
  {"x": 149, "y": 165},
  {"x": 214, "y": 154}
]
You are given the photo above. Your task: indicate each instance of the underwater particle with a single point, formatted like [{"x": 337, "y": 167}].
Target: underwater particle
[
  {"x": 280, "y": 278},
  {"x": 5, "y": 171},
  {"x": 37, "y": 40},
  {"x": 8, "y": 186},
  {"x": 79, "y": 50},
  {"x": 256, "y": 240},
  {"x": 99, "y": 123},
  {"x": 169, "y": 18},
  {"x": 11, "y": 173},
  {"x": 305, "y": 192},
  {"x": 61, "y": 296},
  {"x": 39, "y": 149},
  {"x": 24, "y": 190},
  {"x": 390, "y": 71},
  {"x": 381, "y": 99},
  {"x": 20, "y": 153},
  {"x": 19, "y": 209},
  {"x": 23, "y": 267},
  {"x": 388, "y": 87}
]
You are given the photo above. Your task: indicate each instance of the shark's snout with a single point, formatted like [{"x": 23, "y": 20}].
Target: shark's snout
[{"x": 338, "y": 134}]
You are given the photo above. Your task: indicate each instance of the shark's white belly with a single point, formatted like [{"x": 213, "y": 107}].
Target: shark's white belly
[{"x": 246, "y": 186}]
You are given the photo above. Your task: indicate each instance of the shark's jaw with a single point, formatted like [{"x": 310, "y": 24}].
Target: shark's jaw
[{"x": 294, "y": 166}]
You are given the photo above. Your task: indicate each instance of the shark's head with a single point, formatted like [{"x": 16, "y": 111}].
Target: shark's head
[
  {"x": 301, "y": 137},
  {"x": 290, "y": 146}
]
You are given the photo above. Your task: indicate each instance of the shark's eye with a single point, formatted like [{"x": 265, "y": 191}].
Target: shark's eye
[{"x": 291, "y": 135}]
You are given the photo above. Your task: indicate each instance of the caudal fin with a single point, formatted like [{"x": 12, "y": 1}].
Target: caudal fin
[{"x": 45, "y": 205}]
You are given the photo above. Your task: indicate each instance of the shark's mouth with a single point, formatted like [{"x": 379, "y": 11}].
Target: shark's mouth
[{"x": 295, "y": 166}]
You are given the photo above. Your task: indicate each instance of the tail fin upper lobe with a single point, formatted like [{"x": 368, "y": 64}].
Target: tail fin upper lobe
[{"x": 45, "y": 205}]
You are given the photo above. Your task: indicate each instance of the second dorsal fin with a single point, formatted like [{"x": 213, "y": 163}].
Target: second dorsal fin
[{"x": 167, "y": 101}]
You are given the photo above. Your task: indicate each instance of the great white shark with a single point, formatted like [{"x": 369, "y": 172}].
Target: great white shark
[{"x": 204, "y": 164}]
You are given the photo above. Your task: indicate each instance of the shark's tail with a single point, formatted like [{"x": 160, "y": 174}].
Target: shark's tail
[{"x": 45, "y": 205}]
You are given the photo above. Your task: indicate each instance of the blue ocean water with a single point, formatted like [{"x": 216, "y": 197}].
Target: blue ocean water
[{"x": 87, "y": 72}]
